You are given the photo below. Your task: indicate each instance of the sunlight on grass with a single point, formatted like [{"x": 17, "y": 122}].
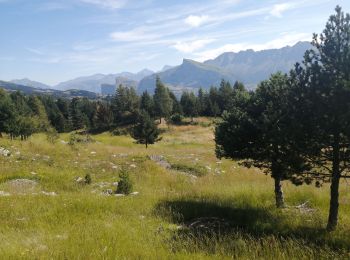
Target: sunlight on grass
[{"x": 61, "y": 218}]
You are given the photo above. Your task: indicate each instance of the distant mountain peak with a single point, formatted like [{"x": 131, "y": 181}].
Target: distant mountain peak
[{"x": 30, "y": 83}]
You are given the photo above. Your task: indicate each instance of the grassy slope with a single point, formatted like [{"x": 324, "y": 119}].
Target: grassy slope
[{"x": 80, "y": 223}]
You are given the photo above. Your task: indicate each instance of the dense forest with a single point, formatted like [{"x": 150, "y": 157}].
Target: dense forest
[{"x": 22, "y": 115}]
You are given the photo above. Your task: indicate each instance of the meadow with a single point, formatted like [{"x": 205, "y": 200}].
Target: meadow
[{"x": 199, "y": 208}]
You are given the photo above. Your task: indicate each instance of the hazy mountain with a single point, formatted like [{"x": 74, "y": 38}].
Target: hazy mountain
[
  {"x": 93, "y": 83},
  {"x": 9, "y": 86},
  {"x": 249, "y": 67},
  {"x": 189, "y": 75},
  {"x": 30, "y": 83}
]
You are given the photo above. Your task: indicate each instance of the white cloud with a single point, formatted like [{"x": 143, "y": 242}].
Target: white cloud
[
  {"x": 278, "y": 9},
  {"x": 113, "y": 4},
  {"x": 137, "y": 34},
  {"x": 190, "y": 46},
  {"x": 284, "y": 40},
  {"x": 196, "y": 21}
]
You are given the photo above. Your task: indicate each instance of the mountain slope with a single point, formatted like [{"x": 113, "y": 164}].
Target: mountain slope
[
  {"x": 30, "y": 83},
  {"x": 8, "y": 86},
  {"x": 93, "y": 83},
  {"x": 189, "y": 75},
  {"x": 249, "y": 67}
]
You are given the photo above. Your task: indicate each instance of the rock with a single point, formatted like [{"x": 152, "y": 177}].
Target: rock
[
  {"x": 134, "y": 193},
  {"x": 63, "y": 142},
  {"x": 33, "y": 173},
  {"x": 108, "y": 192},
  {"x": 52, "y": 193},
  {"x": 93, "y": 152},
  {"x": 133, "y": 166},
  {"x": 79, "y": 180},
  {"x": 159, "y": 159},
  {"x": 208, "y": 168},
  {"x": 4, "y": 194},
  {"x": 4, "y": 152},
  {"x": 119, "y": 195}
]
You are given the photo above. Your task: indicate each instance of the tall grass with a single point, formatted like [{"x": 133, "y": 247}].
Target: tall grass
[{"x": 83, "y": 223}]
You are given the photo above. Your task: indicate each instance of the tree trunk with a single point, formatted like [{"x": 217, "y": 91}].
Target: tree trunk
[
  {"x": 334, "y": 201},
  {"x": 146, "y": 145},
  {"x": 279, "y": 193},
  {"x": 160, "y": 120}
]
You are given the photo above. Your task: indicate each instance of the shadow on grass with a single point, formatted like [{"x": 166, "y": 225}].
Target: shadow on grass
[{"x": 207, "y": 223}]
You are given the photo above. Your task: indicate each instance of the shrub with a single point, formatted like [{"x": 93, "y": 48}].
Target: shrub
[
  {"x": 52, "y": 135},
  {"x": 87, "y": 179},
  {"x": 176, "y": 119},
  {"x": 124, "y": 185},
  {"x": 120, "y": 132}
]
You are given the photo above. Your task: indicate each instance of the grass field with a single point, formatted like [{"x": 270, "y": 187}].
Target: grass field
[{"x": 53, "y": 216}]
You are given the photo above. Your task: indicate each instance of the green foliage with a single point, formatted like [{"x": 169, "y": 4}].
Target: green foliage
[
  {"x": 145, "y": 131},
  {"x": 125, "y": 185},
  {"x": 125, "y": 105},
  {"x": 176, "y": 119},
  {"x": 88, "y": 179},
  {"x": 163, "y": 104},
  {"x": 322, "y": 106},
  {"x": 189, "y": 104},
  {"x": 52, "y": 135}
]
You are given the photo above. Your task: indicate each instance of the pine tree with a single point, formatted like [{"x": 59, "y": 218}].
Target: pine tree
[
  {"x": 146, "y": 103},
  {"x": 163, "y": 104},
  {"x": 323, "y": 106},
  {"x": 189, "y": 104},
  {"x": 259, "y": 134},
  {"x": 145, "y": 131}
]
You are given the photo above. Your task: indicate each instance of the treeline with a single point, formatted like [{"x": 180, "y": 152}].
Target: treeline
[
  {"x": 21, "y": 115},
  {"x": 297, "y": 127}
]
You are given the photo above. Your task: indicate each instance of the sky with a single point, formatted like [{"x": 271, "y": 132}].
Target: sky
[{"x": 56, "y": 40}]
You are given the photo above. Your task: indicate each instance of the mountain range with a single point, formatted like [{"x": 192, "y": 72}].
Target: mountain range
[{"x": 249, "y": 67}]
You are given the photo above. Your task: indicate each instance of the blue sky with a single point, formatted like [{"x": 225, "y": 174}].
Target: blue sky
[{"x": 56, "y": 40}]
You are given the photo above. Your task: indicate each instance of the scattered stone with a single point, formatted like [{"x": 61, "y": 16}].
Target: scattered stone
[
  {"x": 22, "y": 183},
  {"x": 52, "y": 193},
  {"x": 63, "y": 142},
  {"x": 79, "y": 180},
  {"x": 159, "y": 159},
  {"x": 4, "y": 194},
  {"x": 93, "y": 152},
  {"x": 208, "y": 168},
  {"x": 134, "y": 193},
  {"x": 33, "y": 173},
  {"x": 108, "y": 192},
  {"x": 133, "y": 166},
  {"x": 4, "y": 152},
  {"x": 119, "y": 195}
]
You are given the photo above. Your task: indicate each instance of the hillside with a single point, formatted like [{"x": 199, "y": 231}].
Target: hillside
[
  {"x": 189, "y": 75},
  {"x": 249, "y": 67},
  {"x": 8, "y": 86},
  {"x": 30, "y": 83},
  {"x": 93, "y": 83}
]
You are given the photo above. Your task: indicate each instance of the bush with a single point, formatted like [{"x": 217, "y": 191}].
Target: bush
[
  {"x": 52, "y": 135},
  {"x": 124, "y": 185},
  {"x": 120, "y": 132},
  {"x": 77, "y": 138},
  {"x": 87, "y": 179},
  {"x": 176, "y": 119}
]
